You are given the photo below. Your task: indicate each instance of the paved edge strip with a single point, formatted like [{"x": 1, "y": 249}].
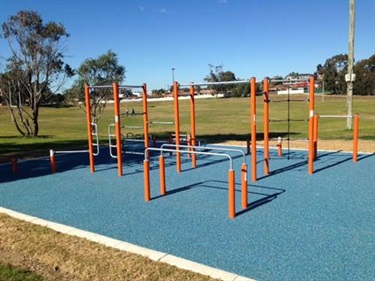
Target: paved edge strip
[{"x": 128, "y": 247}]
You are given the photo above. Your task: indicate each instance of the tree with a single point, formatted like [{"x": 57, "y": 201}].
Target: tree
[
  {"x": 104, "y": 70},
  {"x": 218, "y": 75},
  {"x": 333, "y": 72},
  {"x": 365, "y": 77},
  {"x": 36, "y": 64}
]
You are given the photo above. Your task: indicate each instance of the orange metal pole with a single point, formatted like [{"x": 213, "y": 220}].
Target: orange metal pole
[
  {"x": 52, "y": 161},
  {"x": 316, "y": 130},
  {"x": 118, "y": 128},
  {"x": 14, "y": 166},
  {"x": 244, "y": 186},
  {"x": 231, "y": 195},
  {"x": 145, "y": 116},
  {"x": 311, "y": 125},
  {"x": 355, "y": 137},
  {"x": 192, "y": 126},
  {"x": 266, "y": 126},
  {"x": 177, "y": 125},
  {"x": 162, "y": 175},
  {"x": 253, "y": 130},
  {"x": 89, "y": 128},
  {"x": 146, "y": 167}
]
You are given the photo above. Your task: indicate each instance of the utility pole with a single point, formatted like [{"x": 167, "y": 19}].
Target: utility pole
[{"x": 350, "y": 77}]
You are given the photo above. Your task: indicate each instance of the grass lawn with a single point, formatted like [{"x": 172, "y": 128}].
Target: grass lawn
[{"x": 216, "y": 120}]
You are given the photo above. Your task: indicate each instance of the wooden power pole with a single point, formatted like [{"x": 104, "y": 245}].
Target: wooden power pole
[{"x": 350, "y": 77}]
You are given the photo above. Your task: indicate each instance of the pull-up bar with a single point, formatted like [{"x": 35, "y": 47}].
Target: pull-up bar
[
  {"x": 231, "y": 175},
  {"x": 215, "y": 83}
]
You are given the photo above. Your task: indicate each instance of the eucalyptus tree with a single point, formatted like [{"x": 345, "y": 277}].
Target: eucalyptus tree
[{"x": 34, "y": 67}]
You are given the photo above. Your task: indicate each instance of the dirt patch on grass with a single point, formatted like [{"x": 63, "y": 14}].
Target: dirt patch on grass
[{"x": 57, "y": 256}]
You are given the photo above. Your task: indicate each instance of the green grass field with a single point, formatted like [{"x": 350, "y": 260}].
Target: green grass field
[{"x": 216, "y": 120}]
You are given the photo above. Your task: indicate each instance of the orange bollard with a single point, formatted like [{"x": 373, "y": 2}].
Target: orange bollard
[
  {"x": 162, "y": 175},
  {"x": 279, "y": 146},
  {"x": 52, "y": 161},
  {"x": 355, "y": 137},
  {"x": 14, "y": 166},
  {"x": 244, "y": 186},
  {"x": 231, "y": 195},
  {"x": 146, "y": 166}
]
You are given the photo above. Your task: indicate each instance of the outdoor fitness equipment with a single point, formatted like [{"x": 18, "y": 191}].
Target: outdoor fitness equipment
[
  {"x": 193, "y": 139},
  {"x": 266, "y": 119},
  {"x": 231, "y": 176},
  {"x": 92, "y": 132}
]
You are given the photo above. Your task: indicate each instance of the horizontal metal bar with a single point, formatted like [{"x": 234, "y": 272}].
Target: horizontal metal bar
[
  {"x": 70, "y": 151},
  {"x": 193, "y": 152},
  {"x": 134, "y": 152},
  {"x": 101, "y": 87},
  {"x": 134, "y": 140},
  {"x": 335, "y": 116},
  {"x": 288, "y": 80},
  {"x": 161, "y": 123},
  {"x": 132, "y": 127},
  {"x": 207, "y": 147},
  {"x": 215, "y": 83},
  {"x": 130, "y": 86}
]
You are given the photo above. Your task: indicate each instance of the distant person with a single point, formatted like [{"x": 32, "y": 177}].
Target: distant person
[
  {"x": 127, "y": 112},
  {"x": 133, "y": 112}
]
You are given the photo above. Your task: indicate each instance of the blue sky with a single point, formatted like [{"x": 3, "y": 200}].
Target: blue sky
[{"x": 248, "y": 37}]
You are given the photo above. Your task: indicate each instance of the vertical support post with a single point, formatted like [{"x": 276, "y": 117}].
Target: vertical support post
[
  {"x": 177, "y": 125},
  {"x": 279, "y": 146},
  {"x": 89, "y": 128},
  {"x": 192, "y": 126},
  {"x": 14, "y": 166},
  {"x": 145, "y": 116},
  {"x": 253, "y": 130},
  {"x": 355, "y": 137},
  {"x": 248, "y": 145},
  {"x": 266, "y": 126},
  {"x": 316, "y": 130},
  {"x": 118, "y": 128},
  {"x": 52, "y": 161},
  {"x": 231, "y": 195},
  {"x": 162, "y": 175},
  {"x": 244, "y": 200},
  {"x": 311, "y": 125},
  {"x": 146, "y": 174}
]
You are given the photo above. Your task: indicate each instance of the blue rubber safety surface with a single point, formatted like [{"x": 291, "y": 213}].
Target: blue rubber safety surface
[{"x": 296, "y": 227}]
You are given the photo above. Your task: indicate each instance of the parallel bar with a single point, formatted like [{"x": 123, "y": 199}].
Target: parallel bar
[
  {"x": 162, "y": 122},
  {"x": 207, "y": 148},
  {"x": 215, "y": 83},
  {"x": 70, "y": 151}
]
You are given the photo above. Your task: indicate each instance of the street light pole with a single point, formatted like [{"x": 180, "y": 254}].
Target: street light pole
[{"x": 173, "y": 75}]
